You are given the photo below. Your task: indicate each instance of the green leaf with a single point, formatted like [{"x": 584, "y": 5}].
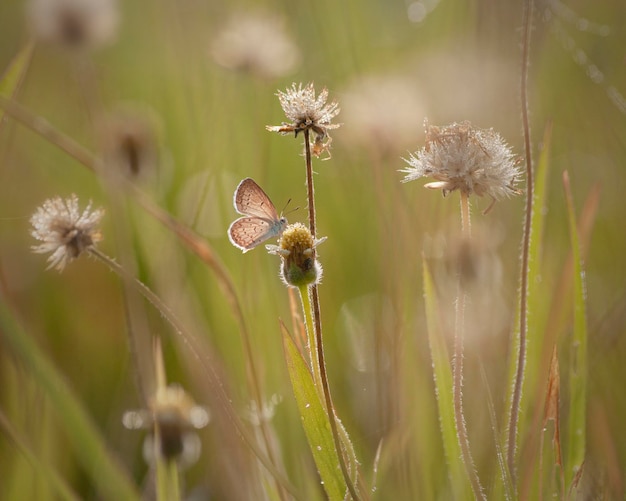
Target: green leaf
[
  {"x": 14, "y": 74},
  {"x": 578, "y": 365},
  {"x": 442, "y": 373},
  {"x": 314, "y": 420},
  {"x": 535, "y": 295},
  {"x": 88, "y": 443},
  {"x": 44, "y": 470}
]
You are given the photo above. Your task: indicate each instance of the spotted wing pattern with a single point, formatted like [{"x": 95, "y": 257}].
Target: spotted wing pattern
[
  {"x": 260, "y": 221},
  {"x": 251, "y": 200}
]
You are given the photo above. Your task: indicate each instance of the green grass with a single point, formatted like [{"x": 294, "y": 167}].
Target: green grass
[{"x": 67, "y": 375}]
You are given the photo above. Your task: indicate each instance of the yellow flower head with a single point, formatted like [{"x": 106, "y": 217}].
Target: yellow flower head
[{"x": 297, "y": 250}]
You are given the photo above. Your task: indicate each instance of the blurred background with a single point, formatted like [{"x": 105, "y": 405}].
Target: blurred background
[{"x": 193, "y": 84}]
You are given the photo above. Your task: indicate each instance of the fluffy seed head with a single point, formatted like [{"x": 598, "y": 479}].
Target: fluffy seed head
[
  {"x": 256, "y": 43},
  {"x": 462, "y": 157},
  {"x": 297, "y": 250},
  {"x": 306, "y": 112},
  {"x": 64, "y": 230},
  {"x": 74, "y": 24}
]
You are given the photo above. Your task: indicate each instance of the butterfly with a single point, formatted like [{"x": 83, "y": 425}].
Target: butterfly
[{"x": 260, "y": 221}]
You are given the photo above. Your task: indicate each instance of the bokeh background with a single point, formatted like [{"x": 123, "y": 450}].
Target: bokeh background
[{"x": 202, "y": 75}]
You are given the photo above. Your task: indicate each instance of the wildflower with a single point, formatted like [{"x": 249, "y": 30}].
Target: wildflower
[
  {"x": 307, "y": 112},
  {"x": 256, "y": 43},
  {"x": 74, "y": 23},
  {"x": 297, "y": 250},
  {"x": 129, "y": 144},
  {"x": 64, "y": 231},
  {"x": 174, "y": 413},
  {"x": 462, "y": 157}
]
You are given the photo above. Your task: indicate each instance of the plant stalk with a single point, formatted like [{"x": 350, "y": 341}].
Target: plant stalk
[
  {"x": 457, "y": 365},
  {"x": 523, "y": 319},
  {"x": 317, "y": 348}
]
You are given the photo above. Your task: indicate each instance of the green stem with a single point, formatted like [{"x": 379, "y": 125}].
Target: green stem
[
  {"x": 312, "y": 340},
  {"x": 316, "y": 354},
  {"x": 459, "y": 339}
]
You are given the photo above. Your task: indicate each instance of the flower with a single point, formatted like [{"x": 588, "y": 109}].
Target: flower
[
  {"x": 74, "y": 23},
  {"x": 462, "y": 157},
  {"x": 175, "y": 414},
  {"x": 307, "y": 112},
  {"x": 64, "y": 231},
  {"x": 256, "y": 43},
  {"x": 297, "y": 250},
  {"x": 129, "y": 143}
]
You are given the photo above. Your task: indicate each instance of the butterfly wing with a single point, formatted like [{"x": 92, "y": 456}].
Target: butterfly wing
[
  {"x": 248, "y": 232},
  {"x": 251, "y": 200}
]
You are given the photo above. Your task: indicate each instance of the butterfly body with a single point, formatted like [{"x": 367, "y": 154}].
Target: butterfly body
[{"x": 260, "y": 219}]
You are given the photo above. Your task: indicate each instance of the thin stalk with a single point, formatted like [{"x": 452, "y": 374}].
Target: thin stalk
[
  {"x": 187, "y": 236},
  {"x": 317, "y": 357},
  {"x": 309, "y": 183},
  {"x": 457, "y": 365},
  {"x": 321, "y": 381},
  {"x": 523, "y": 318},
  {"x": 167, "y": 473},
  {"x": 205, "y": 252},
  {"x": 207, "y": 365}
]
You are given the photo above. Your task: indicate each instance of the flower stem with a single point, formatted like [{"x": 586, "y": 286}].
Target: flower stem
[
  {"x": 317, "y": 347},
  {"x": 207, "y": 362},
  {"x": 521, "y": 353},
  {"x": 457, "y": 384},
  {"x": 320, "y": 378}
]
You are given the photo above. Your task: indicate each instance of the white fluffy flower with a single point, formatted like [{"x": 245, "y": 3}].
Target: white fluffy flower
[
  {"x": 64, "y": 230},
  {"x": 462, "y": 157}
]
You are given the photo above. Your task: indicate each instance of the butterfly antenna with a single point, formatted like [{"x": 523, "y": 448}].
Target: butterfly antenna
[{"x": 285, "y": 208}]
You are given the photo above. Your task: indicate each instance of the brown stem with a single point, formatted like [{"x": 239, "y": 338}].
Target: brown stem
[
  {"x": 317, "y": 324},
  {"x": 521, "y": 354}
]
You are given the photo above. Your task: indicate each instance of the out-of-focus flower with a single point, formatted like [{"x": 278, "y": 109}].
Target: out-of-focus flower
[
  {"x": 297, "y": 250},
  {"x": 306, "y": 112},
  {"x": 380, "y": 113},
  {"x": 176, "y": 416},
  {"x": 462, "y": 157},
  {"x": 76, "y": 24},
  {"x": 129, "y": 144},
  {"x": 257, "y": 43},
  {"x": 64, "y": 230}
]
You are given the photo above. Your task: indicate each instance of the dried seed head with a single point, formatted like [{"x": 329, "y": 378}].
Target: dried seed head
[
  {"x": 256, "y": 43},
  {"x": 64, "y": 231},
  {"x": 462, "y": 157},
  {"x": 74, "y": 24},
  {"x": 306, "y": 112},
  {"x": 129, "y": 144},
  {"x": 176, "y": 415},
  {"x": 297, "y": 250}
]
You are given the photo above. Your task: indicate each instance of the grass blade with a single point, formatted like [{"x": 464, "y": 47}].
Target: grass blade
[
  {"x": 14, "y": 74},
  {"x": 314, "y": 420},
  {"x": 111, "y": 480},
  {"x": 44, "y": 470},
  {"x": 576, "y": 439},
  {"x": 442, "y": 374}
]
